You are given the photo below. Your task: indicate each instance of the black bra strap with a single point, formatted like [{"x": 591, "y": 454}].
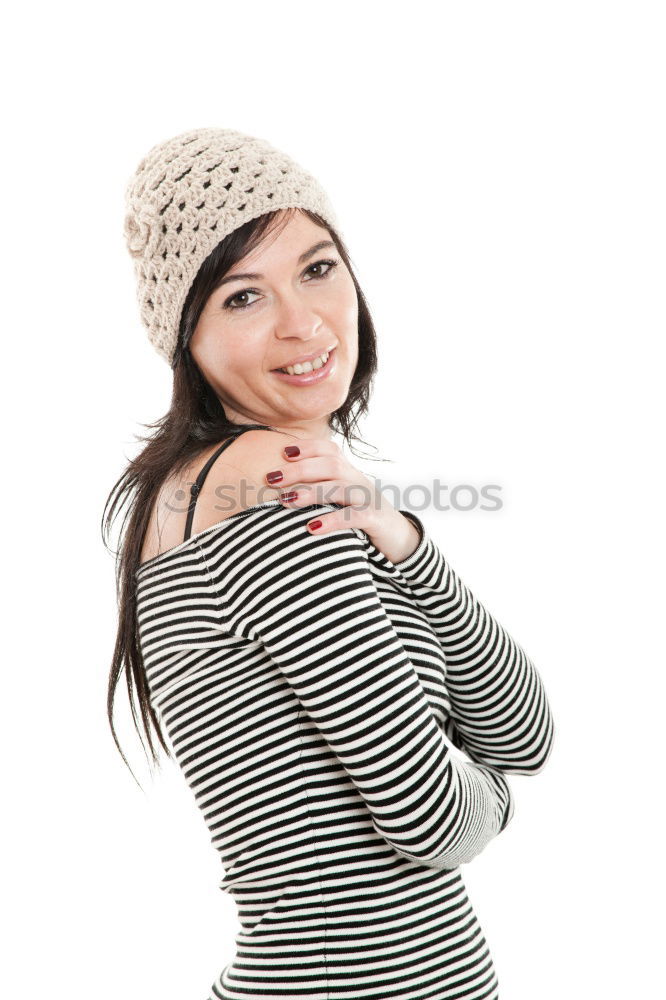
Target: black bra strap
[{"x": 195, "y": 488}]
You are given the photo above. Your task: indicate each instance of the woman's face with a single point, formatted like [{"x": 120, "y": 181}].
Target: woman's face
[{"x": 300, "y": 301}]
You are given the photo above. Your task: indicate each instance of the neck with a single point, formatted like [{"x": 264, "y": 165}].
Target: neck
[{"x": 317, "y": 429}]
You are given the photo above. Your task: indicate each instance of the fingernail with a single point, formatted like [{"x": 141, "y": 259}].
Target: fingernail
[
  {"x": 274, "y": 477},
  {"x": 314, "y": 524},
  {"x": 292, "y": 450},
  {"x": 287, "y": 497}
]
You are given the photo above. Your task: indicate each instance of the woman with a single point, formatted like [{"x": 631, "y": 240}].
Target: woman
[{"x": 311, "y": 654}]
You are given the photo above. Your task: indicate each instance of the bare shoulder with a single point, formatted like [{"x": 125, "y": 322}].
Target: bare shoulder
[{"x": 235, "y": 481}]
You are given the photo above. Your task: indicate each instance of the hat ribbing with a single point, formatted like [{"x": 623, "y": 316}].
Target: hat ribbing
[{"x": 185, "y": 196}]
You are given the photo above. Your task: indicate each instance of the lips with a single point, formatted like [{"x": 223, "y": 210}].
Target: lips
[
  {"x": 303, "y": 359},
  {"x": 310, "y": 378}
]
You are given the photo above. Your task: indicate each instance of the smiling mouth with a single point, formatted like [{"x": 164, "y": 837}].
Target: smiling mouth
[
  {"x": 328, "y": 352},
  {"x": 307, "y": 378}
]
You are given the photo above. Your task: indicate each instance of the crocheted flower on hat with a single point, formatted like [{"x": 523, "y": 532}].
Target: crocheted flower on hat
[{"x": 139, "y": 226}]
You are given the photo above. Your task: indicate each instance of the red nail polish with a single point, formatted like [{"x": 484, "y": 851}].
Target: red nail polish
[
  {"x": 314, "y": 524},
  {"x": 292, "y": 450},
  {"x": 288, "y": 496},
  {"x": 274, "y": 477}
]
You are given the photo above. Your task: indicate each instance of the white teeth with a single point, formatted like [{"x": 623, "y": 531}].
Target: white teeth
[{"x": 307, "y": 366}]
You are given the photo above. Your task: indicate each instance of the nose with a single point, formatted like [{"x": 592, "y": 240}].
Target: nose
[{"x": 296, "y": 318}]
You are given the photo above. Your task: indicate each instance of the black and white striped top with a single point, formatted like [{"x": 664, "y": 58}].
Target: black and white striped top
[{"x": 312, "y": 691}]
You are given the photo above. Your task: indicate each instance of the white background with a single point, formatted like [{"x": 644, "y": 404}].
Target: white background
[{"x": 498, "y": 170}]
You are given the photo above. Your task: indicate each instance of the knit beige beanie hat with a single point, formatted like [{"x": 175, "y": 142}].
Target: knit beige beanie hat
[{"x": 185, "y": 196}]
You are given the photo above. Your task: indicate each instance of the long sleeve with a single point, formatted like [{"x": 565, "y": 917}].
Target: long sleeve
[
  {"x": 311, "y": 601},
  {"x": 498, "y": 702}
]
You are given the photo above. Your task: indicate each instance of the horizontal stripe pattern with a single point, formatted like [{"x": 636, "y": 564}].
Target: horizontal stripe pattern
[{"x": 305, "y": 684}]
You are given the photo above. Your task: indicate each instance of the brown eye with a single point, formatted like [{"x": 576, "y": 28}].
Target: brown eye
[
  {"x": 329, "y": 264},
  {"x": 237, "y": 295}
]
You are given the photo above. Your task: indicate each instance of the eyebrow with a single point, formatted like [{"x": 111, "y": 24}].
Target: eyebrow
[{"x": 323, "y": 245}]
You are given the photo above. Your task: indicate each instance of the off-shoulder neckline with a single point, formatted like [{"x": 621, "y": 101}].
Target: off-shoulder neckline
[
  {"x": 415, "y": 556},
  {"x": 184, "y": 545}
]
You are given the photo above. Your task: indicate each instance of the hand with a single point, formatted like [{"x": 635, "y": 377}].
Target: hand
[{"x": 327, "y": 477}]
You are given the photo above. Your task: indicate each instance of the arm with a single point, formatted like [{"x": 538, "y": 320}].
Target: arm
[
  {"x": 311, "y": 601},
  {"x": 498, "y": 701}
]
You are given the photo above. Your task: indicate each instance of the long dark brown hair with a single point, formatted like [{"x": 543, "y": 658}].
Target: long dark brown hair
[{"x": 195, "y": 421}]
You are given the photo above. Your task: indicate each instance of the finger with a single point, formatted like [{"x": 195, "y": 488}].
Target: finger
[
  {"x": 307, "y": 470},
  {"x": 310, "y": 448},
  {"x": 360, "y": 496},
  {"x": 339, "y": 520}
]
